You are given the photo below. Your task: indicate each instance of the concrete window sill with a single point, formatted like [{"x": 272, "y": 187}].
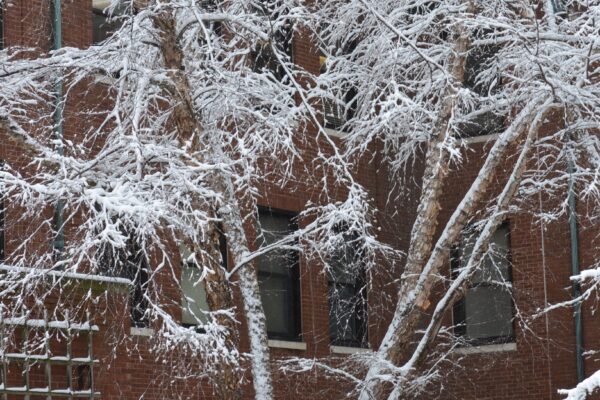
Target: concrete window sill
[
  {"x": 488, "y": 348},
  {"x": 335, "y": 132},
  {"x": 286, "y": 344},
  {"x": 481, "y": 138},
  {"x": 348, "y": 350},
  {"x": 146, "y": 332}
]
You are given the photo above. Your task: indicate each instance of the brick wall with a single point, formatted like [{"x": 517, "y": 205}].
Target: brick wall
[{"x": 534, "y": 370}]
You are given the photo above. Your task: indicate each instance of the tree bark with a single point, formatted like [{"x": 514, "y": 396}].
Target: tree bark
[
  {"x": 399, "y": 336},
  {"x": 189, "y": 127},
  {"x": 459, "y": 284},
  {"x": 218, "y": 290}
]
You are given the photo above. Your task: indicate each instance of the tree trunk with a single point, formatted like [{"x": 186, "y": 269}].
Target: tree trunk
[
  {"x": 253, "y": 309},
  {"x": 424, "y": 261},
  {"x": 399, "y": 335},
  {"x": 189, "y": 127},
  {"x": 459, "y": 284},
  {"x": 218, "y": 290},
  {"x": 219, "y": 296}
]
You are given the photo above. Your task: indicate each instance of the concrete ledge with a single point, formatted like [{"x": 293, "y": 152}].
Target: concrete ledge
[
  {"x": 335, "y": 132},
  {"x": 348, "y": 350},
  {"x": 481, "y": 138},
  {"x": 287, "y": 344},
  {"x": 135, "y": 331},
  {"x": 487, "y": 348}
]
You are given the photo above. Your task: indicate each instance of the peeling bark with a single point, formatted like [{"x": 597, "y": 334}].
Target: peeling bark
[
  {"x": 217, "y": 286},
  {"x": 398, "y": 336}
]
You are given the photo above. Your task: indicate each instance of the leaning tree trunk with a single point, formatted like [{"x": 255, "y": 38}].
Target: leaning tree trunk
[
  {"x": 188, "y": 127},
  {"x": 425, "y": 260},
  {"x": 401, "y": 330},
  {"x": 503, "y": 201}
]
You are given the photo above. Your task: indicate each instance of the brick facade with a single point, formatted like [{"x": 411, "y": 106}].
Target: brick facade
[{"x": 542, "y": 360}]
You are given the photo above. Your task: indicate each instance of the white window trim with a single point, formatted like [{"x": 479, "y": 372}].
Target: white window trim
[
  {"x": 348, "y": 350},
  {"x": 136, "y": 331},
  {"x": 487, "y": 348},
  {"x": 287, "y": 344}
]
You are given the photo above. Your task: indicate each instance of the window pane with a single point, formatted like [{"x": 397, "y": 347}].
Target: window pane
[
  {"x": 347, "y": 322},
  {"x": 496, "y": 264},
  {"x": 345, "y": 326},
  {"x": 275, "y": 295},
  {"x": 194, "y": 297},
  {"x": 342, "y": 265},
  {"x": 478, "y": 60},
  {"x": 139, "y": 303},
  {"x": 273, "y": 226},
  {"x": 488, "y": 312},
  {"x": 103, "y": 28},
  {"x": 278, "y": 279}
]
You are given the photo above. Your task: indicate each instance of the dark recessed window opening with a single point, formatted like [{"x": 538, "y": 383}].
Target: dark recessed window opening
[
  {"x": 485, "y": 314},
  {"x": 478, "y": 60},
  {"x": 139, "y": 303},
  {"x": 263, "y": 57},
  {"x": 104, "y": 25},
  {"x": 347, "y": 297},
  {"x": 279, "y": 280},
  {"x": 336, "y": 114}
]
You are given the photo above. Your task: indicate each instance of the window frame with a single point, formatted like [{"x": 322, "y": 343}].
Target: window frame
[
  {"x": 360, "y": 313},
  {"x": 139, "y": 304},
  {"x": 262, "y": 57},
  {"x": 224, "y": 263},
  {"x": 343, "y": 113},
  {"x": 293, "y": 287},
  {"x": 459, "y": 312},
  {"x": 487, "y": 123}
]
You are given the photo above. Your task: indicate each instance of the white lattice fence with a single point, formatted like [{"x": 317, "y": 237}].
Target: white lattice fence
[{"x": 25, "y": 356}]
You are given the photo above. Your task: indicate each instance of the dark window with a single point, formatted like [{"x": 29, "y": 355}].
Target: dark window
[
  {"x": 279, "y": 278},
  {"x": 347, "y": 297},
  {"x": 104, "y": 25},
  {"x": 478, "y": 60},
  {"x": 485, "y": 314},
  {"x": 263, "y": 57},
  {"x": 139, "y": 272},
  {"x": 336, "y": 114},
  {"x": 128, "y": 262}
]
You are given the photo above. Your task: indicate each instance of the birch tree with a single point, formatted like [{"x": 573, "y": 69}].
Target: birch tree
[
  {"x": 202, "y": 108},
  {"x": 199, "y": 108},
  {"x": 426, "y": 75}
]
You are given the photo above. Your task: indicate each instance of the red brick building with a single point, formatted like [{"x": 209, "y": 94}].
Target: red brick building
[{"x": 514, "y": 357}]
